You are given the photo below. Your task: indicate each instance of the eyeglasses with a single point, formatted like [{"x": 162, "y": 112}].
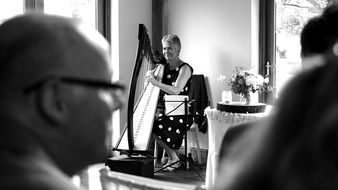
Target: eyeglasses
[
  {"x": 115, "y": 88},
  {"x": 73, "y": 80}
]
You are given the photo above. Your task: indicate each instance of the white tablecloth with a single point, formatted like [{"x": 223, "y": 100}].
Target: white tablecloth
[{"x": 218, "y": 123}]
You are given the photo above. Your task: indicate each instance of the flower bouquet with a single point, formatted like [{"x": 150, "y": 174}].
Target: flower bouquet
[{"x": 244, "y": 82}]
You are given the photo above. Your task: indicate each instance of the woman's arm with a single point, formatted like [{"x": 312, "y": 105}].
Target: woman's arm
[{"x": 181, "y": 81}]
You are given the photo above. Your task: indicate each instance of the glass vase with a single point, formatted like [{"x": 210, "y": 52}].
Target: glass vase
[{"x": 245, "y": 98}]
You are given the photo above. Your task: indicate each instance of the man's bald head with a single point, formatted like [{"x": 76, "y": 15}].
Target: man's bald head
[{"x": 35, "y": 46}]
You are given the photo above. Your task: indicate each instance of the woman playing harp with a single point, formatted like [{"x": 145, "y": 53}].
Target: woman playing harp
[{"x": 169, "y": 131}]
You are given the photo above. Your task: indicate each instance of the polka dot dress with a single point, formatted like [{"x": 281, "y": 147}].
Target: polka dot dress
[{"x": 170, "y": 129}]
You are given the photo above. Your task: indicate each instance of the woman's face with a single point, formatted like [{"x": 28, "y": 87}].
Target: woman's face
[{"x": 170, "y": 51}]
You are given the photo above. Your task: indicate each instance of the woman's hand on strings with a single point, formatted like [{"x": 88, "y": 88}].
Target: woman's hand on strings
[
  {"x": 150, "y": 73},
  {"x": 151, "y": 78}
]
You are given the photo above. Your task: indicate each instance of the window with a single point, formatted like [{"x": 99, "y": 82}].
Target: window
[
  {"x": 95, "y": 13},
  {"x": 281, "y": 24},
  {"x": 81, "y": 9}
]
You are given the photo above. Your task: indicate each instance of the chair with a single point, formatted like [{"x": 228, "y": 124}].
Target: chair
[
  {"x": 199, "y": 101},
  {"x": 199, "y": 98}
]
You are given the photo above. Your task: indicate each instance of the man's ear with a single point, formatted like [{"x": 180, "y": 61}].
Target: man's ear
[{"x": 50, "y": 102}]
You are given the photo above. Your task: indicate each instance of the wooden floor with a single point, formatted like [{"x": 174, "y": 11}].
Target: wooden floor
[{"x": 195, "y": 175}]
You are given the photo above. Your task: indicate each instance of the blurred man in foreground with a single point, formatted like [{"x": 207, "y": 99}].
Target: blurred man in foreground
[{"x": 56, "y": 101}]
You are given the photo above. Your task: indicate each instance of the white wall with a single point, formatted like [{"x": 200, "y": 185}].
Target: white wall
[{"x": 216, "y": 36}]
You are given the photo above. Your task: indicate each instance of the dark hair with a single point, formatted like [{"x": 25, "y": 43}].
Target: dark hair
[{"x": 320, "y": 33}]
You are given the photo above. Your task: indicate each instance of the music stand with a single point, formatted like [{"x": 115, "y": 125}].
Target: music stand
[{"x": 187, "y": 158}]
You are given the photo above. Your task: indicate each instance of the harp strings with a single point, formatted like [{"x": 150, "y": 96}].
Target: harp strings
[
  {"x": 147, "y": 104},
  {"x": 141, "y": 84},
  {"x": 140, "y": 94}
]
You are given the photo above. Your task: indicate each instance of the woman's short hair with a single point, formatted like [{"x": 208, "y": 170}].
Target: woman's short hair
[{"x": 174, "y": 39}]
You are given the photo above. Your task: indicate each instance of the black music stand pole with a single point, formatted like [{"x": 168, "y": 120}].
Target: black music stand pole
[{"x": 186, "y": 133}]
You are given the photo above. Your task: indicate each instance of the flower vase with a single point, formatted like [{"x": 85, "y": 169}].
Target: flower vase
[{"x": 245, "y": 98}]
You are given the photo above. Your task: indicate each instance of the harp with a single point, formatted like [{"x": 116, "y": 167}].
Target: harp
[{"x": 142, "y": 100}]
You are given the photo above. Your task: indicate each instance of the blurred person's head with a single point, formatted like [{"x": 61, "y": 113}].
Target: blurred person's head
[
  {"x": 54, "y": 79},
  {"x": 319, "y": 36}
]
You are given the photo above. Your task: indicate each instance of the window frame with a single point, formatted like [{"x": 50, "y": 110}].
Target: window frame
[
  {"x": 102, "y": 17},
  {"x": 267, "y": 43}
]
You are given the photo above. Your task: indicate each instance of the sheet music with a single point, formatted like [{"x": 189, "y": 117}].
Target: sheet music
[{"x": 174, "y": 104}]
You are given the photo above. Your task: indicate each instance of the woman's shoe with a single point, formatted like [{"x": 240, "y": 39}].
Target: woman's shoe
[{"x": 172, "y": 165}]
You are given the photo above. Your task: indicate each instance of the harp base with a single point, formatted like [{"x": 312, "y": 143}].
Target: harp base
[{"x": 135, "y": 165}]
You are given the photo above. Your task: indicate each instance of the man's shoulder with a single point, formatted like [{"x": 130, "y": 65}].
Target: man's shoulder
[{"x": 27, "y": 172}]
